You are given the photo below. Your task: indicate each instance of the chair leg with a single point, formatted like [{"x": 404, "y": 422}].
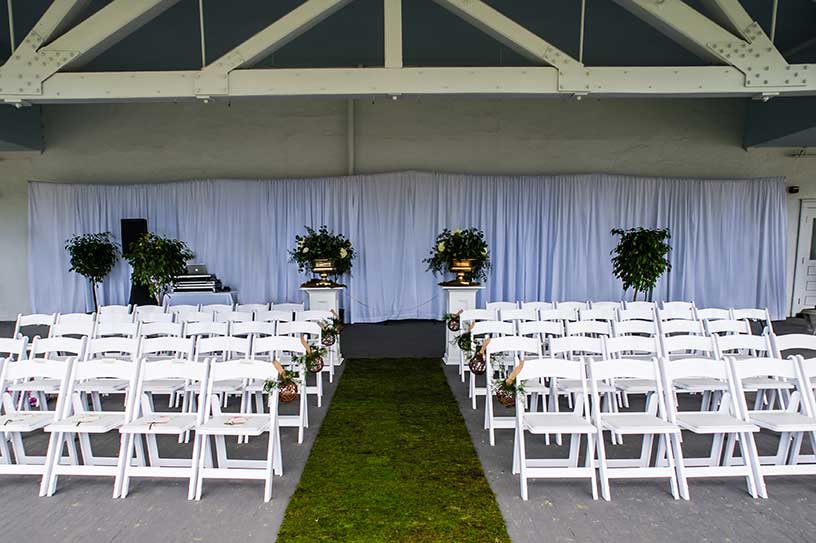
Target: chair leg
[
  {"x": 125, "y": 488},
  {"x": 54, "y": 452},
  {"x": 753, "y": 457},
  {"x": 124, "y": 444},
  {"x": 602, "y": 467},
  {"x": 194, "y": 466},
  {"x": 680, "y": 465},
  {"x": 590, "y": 463},
  {"x": 200, "y": 479}
]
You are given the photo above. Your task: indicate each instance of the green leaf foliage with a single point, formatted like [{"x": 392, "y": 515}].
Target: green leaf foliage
[
  {"x": 157, "y": 261},
  {"x": 640, "y": 258},
  {"x": 322, "y": 244},
  {"x": 93, "y": 255},
  {"x": 467, "y": 244}
]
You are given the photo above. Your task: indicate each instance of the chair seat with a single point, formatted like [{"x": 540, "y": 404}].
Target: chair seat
[
  {"x": 713, "y": 423},
  {"x": 637, "y": 423},
  {"x": 701, "y": 384},
  {"x": 235, "y": 425},
  {"x": 90, "y": 423},
  {"x": 636, "y": 386},
  {"x": 760, "y": 383},
  {"x": 26, "y": 421},
  {"x": 552, "y": 423},
  {"x": 781, "y": 421},
  {"x": 573, "y": 386},
  {"x": 160, "y": 423},
  {"x": 163, "y": 386},
  {"x": 104, "y": 386},
  {"x": 36, "y": 385}
]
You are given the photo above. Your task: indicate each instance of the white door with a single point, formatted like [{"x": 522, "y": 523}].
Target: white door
[{"x": 804, "y": 283}]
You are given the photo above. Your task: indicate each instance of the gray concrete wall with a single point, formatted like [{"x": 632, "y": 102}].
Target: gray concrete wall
[{"x": 261, "y": 139}]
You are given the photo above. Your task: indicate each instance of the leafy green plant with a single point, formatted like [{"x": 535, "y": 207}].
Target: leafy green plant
[
  {"x": 331, "y": 329},
  {"x": 312, "y": 359},
  {"x": 453, "y": 245},
  {"x": 93, "y": 256},
  {"x": 288, "y": 378},
  {"x": 157, "y": 261},
  {"x": 322, "y": 244},
  {"x": 640, "y": 258}
]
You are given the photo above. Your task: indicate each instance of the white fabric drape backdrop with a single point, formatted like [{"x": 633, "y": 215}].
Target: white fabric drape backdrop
[{"x": 549, "y": 235}]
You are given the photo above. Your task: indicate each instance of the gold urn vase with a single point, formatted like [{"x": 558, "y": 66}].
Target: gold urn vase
[
  {"x": 464, "y": 270},
  {"x": 322, "y": 267}
]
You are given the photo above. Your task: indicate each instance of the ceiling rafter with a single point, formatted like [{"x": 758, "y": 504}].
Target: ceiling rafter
[
  {"x": 213, "y": 79},
  {"x": 731, "y": 15},
  {"x": 34, "y": 62},
  {"x": 755, "y": 55}
]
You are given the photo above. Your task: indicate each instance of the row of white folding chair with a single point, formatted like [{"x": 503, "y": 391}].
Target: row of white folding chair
[
  {"x": 730, "y": 418},
  {"x": 70, "y": 420}
]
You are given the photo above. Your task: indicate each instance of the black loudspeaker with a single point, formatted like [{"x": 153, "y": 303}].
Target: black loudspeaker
[{"x": 131, "y": 230}]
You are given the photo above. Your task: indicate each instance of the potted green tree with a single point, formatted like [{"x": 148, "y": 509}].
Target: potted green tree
[
  {"x": 157, "y": 261},
  {"x": 463, "y": 252},
  {"x": 93, "y": 256},
  {"x": 322, "y": 252},
  {"x": 640, "y": 258}
]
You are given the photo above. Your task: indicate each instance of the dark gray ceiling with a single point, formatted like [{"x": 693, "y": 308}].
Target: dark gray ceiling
[{"x": 432, "y": 35}]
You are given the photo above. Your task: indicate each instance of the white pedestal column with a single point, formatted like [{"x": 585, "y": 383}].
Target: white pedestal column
[
  {"x": 325, "y": 298},
  {"x": 458, "y": 298}
]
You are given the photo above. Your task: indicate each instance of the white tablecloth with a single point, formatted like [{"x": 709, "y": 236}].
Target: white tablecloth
[{"x": 196, "y": 298}]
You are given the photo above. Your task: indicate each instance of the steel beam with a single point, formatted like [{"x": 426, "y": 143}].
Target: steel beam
[
  {"x": 213, "y": 79},
  {"x": 703, "y": 81},
  {"x": 510, "y": 33},
  {"x": 730, "y": 14},
  {"x": 34, "y": 62},
  {"x": 755, "y": 56},
  {"x": 392, "y": 15}
]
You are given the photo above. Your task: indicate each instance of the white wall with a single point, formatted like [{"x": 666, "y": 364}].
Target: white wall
[{"x": 125, "y": 143}]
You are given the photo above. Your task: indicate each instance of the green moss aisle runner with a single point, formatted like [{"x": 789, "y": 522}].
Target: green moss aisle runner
[{"x": 393, "y": 462}]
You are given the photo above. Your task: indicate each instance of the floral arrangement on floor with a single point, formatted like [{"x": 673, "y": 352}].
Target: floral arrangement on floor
[
  {"x": 460, "y": 246},
  {"x": 322, "y": 244}
]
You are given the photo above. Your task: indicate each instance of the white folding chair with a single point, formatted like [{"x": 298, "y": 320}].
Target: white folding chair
[
  {"x": 280, "y": 348},
  {"x": 252, "y": 308},
  {"x": 537, "y": 306},
  {"x": 712, "y": 314},
  {"x": 168, "y": 348},
  {"x": 114, "y": 317},
  {"x": 13, "y": 349},
  {"x": 729, "y": 326},
  {"x": 61, "y": 349},
  {"x": 233, "y": 316},
  {"x": 16, "y": 423},
  {"x": 76, "y": 421},
  {"x": 314, "y": 333},
  {"x": 541, "y": 330},
  {"x": 148, "y": 423},
  {"x": 183, "y": 308},
  {"x": 634, "y": 328},
  {"x": 194, "y": 316},
  {"x": 640, "y": 306},
  {"x": 589, "y": 328},
  {"x": 517, "y": 348},
  {"x": 217, "y": 425},
  {"x": 769, "y": 391},
  {"x": 116, "y": 329},
  {"x": 518, "y": 315},
  {"x": 252, "y": 328},
  {"x": 140, "y": 311},
  {"x": 216, "y": 308},
  {"x": 602, "y": 313},
  {"x": 575, "y": 424},
  {"x": 274, "y": 315},
  {"x": 574, "y": 348},
  {"x": 118, "y": 348},
  {"x": 676, "y": 310},
  {"x": 478, "y": 333},
  {"x": 721, "y": 421},
  {"x": 36, "y": 319},
  {"x": 558, "y": 314},
  {"x": 649, "y": 423},
  {"x": 73, "y": 328},
  {"x": 572, "y": 308},
  {"x": 760, "y": 315},
  {"x": 637, "y": 348},
  {"x": 206, "y": 329},
  {"x": 792, "y": 423},
  {"x": 679, "y": 327},
  {"x": 287, "y": 307},
  {"x": 220, "y": 349},
  {"x": 497, "y": 307},
  {"x": 165, "y": 329},
  {"x": 636, "y": 314},
  {"x": 606, "y": 304},
  {"x": 154, "y": 316}
]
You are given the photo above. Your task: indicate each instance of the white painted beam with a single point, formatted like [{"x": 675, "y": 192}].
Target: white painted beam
[
  {"x": 704, "y": 81},
  {"x": 213, "y": 80},
  {"x": 105, "y": 28},
  {"x": 392, "y": 10},
  {"x": 755, "y": 56},
  {"x": 510, "y": 33},
  {"x": 730, "y": 14},
  {"x": 34, "y": 62}
]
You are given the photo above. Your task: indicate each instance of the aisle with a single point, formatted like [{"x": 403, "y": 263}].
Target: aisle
[{"x": 393, "y": 462}]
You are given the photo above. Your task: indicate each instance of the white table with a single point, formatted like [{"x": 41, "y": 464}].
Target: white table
[
  {"x": 457, "y": 298},
  {"x": 199, "y": 298}
]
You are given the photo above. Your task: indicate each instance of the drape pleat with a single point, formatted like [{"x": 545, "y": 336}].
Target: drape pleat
[{"x": 548, "y": 235}]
